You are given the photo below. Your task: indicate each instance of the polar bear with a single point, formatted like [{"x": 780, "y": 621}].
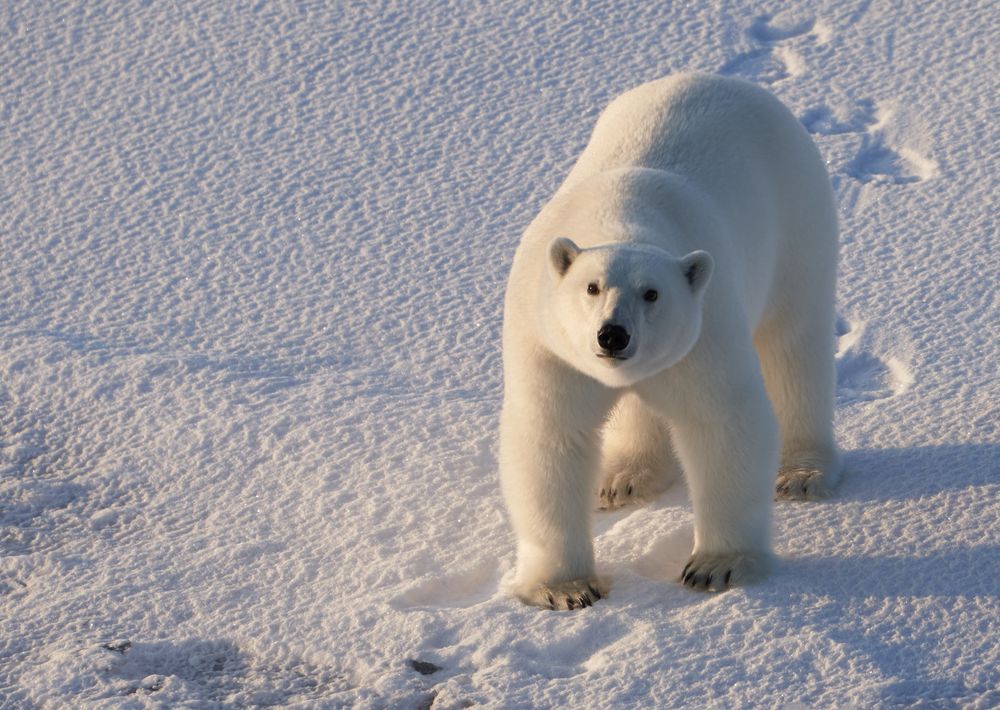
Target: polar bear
[{"x": 671, "y": 309}]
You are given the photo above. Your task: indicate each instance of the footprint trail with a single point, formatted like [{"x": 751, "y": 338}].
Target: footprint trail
[
  {"x": 863, "y": 376},
  {"x": 775, "y": 59}
]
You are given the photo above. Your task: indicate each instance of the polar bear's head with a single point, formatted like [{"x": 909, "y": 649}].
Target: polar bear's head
[{"x": 623, "y": 312}]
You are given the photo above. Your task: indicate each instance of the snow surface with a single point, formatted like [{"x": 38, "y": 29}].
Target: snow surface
[{"x": 253, "y": 260}]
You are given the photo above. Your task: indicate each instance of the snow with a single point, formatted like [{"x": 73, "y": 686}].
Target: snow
[{"x": 252, "y": 261}]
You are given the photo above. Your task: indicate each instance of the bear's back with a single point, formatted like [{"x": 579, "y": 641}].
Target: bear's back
[{"x": 720, "y": 133}]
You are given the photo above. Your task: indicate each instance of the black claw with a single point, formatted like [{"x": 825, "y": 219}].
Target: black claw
[
  {"x": 708, "y": 582},
  {"x": 551, "y": 600},
  {"x": 729, "y": 574},
  {"x": 685, "y": 572},
  {"x": 596, "y": 594},
  {"x": 569, "y": 603},
  {"x": 585, "y": 601},
  {"x": 689, "y": 578},
  {"x": 628, "y": 489}
]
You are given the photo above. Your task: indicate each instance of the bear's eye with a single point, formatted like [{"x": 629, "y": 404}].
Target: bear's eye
[
  {"x": 592, "y": 289},
  {"x": 650, "y": 296}
]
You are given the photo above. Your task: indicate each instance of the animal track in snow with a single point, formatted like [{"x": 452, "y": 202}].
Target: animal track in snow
[
  {"x": 824, "y": 120},
  {"x": 863, "y": 376},
  {"x": 768, "y": 29},
  {"x": 774, "y": 59},
  {"x": 215, "y": 672},
  {"x": 875, "y": 160},
  {"x": 767, "y": 65}
]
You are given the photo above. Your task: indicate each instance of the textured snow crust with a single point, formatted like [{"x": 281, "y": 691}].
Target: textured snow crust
[{"x": 252, "y": 261}]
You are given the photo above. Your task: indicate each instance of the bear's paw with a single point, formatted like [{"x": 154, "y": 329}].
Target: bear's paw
[
  {"x": 717, "y": 573},
  {"x": 629, "y": 483},
  {"x": 561, "y": 596},
  {"x": 802, "y": 484}
]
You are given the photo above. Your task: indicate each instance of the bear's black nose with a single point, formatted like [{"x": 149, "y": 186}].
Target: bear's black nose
[{"x": 612, "y": 338}]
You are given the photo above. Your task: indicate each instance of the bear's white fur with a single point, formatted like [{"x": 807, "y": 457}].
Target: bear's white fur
[{"x": 708, "y": 192}]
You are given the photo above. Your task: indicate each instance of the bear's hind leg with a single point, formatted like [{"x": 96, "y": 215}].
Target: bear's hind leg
[
  {"x": 637, "y": 458},
  {"x": 800, "y": 376}
]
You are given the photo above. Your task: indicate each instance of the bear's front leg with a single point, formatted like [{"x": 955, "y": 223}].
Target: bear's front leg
[
  {"x": 549, "y": 448},
  {"x": 726, "y": 437}
]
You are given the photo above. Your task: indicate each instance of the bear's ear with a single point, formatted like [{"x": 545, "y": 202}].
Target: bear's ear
[
  {"x": 697, "y": 269},
  {"x": 562, "y": 252}
]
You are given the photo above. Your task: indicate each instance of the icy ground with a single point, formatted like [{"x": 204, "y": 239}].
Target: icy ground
[{"x": 252, "y": 260}]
